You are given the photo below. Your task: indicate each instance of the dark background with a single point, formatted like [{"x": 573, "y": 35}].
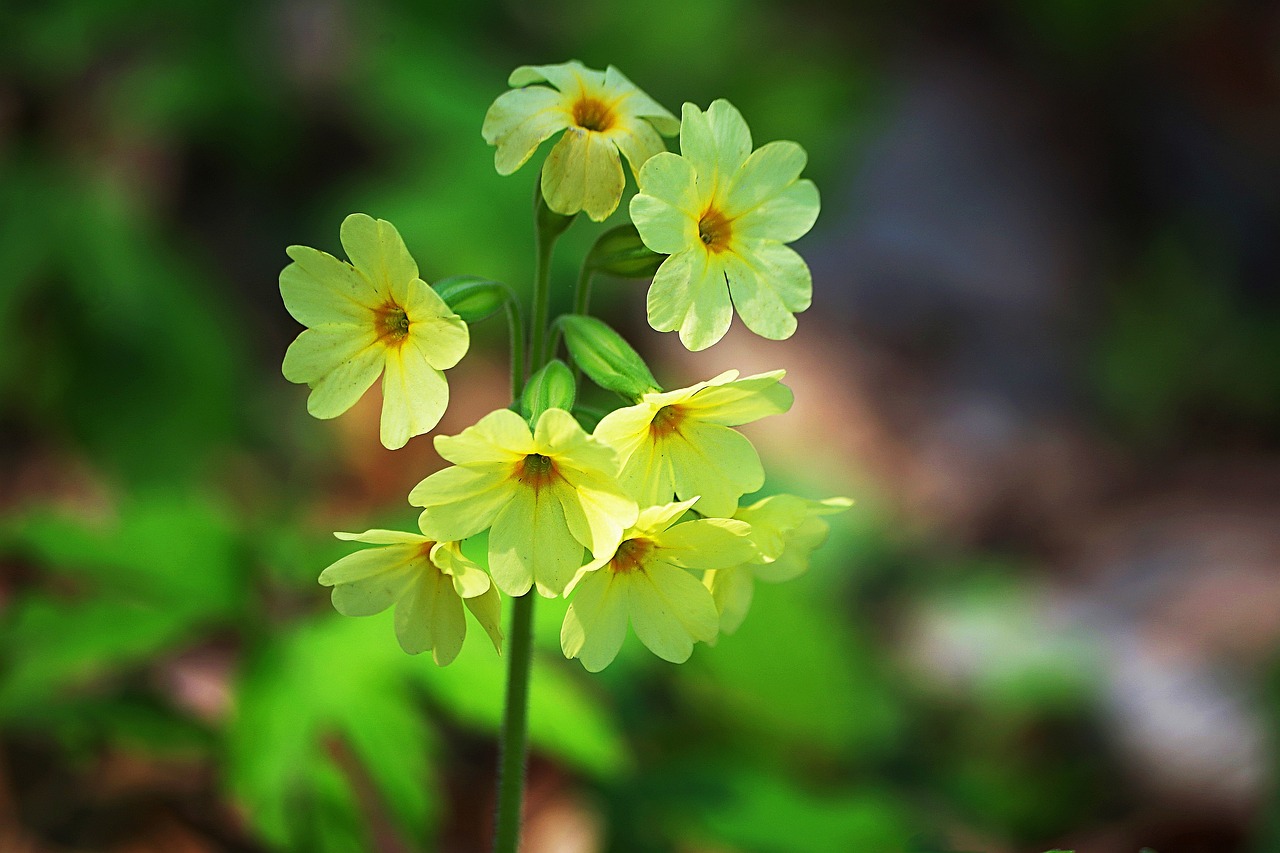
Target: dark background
[{"x": 1044, "y": 357}]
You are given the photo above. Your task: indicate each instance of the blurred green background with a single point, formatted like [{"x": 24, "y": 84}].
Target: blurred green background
[{"x": 1044, "y": 357}]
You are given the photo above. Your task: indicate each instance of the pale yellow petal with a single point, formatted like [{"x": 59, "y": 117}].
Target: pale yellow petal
[
  {"x": 783, "y": 217},
  {"x": 717, "y": 142},
  {"x": 669, "y": 610},
  {"x": 377, "y": 250},
  {"x": 318, "y": 289},
  {"x": 439, "y": 335},
  {"x": 624, "y": 430},
  {"x": 469, "y": 580},
  {"x": 636, "y": 102},
  {"x": 770, "y": 170},
  {"x": 414, "y": 397},
  {"x": 378, "y": 536},
  {"x": 519, "y": 121},
  {"x": 648, "y": 476},
  {"x": 670, "y": 178},
  {"x": 429, "y": 617},
  {"x": 689, "y": 293},
  {"x": 769, "y": 283},
  {"x": 530, "y": 543},
  {"x": 653, "y": 520},
  {"x": 714, "y": 462},
  {"x": 664, "y": 228},
  {"x": 707, "y": 543},
  {"x": 596, "y": 622},
  {"x": 565, "y": 76},
  {"x": 460, "y": 502},
  {"x": 597, "y": 511},
  {"x": 637, "y": 140},
  {"x": 583, "y": 172},
  {"x": 732, "y": 591},
  {"x": 338, "y": 367},
  {"x": 500, "y": 436},
  {"x": 794, "y": 559},
  {"x": 487, "y": 608},
  {"x": 743, "y": 400},
  {"x": 369, "y": 562}
]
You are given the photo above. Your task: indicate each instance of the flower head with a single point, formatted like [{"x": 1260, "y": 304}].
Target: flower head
[
  {"x": 786, "y": 531},
  {"x": 646, "y": 580},
  {"x": 601, "y": 112},
  {"x": 369, "y": 317},
  {"x": 723, "y": 213},
  {"x": 427, "y": 581},
  {"x": 680, "y": 443},
  {"x": 546, "y": 494}
]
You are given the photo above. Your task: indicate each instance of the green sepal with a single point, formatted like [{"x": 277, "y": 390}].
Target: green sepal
[
  {"x": 603, "y": 355},
  {"x": 549, "y": 224},
  {"x": 552, "y": 387},
  {"x": 471, "y": 297},
  {"x": 620, "y": 252}
]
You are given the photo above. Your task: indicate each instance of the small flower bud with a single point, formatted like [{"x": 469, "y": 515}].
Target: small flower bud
[
  {"x": 606, "y": 357},
  {"x": 552, "y": 387},
  {"x": 621, "y": 252},
  {"x": 471, "y": 297}
]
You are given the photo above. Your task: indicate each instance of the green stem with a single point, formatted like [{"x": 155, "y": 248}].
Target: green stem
[
  {"x": 515, "y": 322},
  {"x": 541, "y": 302},
  {"x": 582, "y": 292},
  {"x": 515, "y": 726}
]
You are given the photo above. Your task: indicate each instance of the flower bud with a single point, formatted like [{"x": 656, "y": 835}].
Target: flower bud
[
  {"x": 471, "y": 297},
  {"x": 552, "y": 387},
  {"x": 621, "y": 252},
  {"x": 603, "y": 355}
]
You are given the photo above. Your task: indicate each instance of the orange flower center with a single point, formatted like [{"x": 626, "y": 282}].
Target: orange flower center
[
  {"x": 392, "y": 324},
  {"x": 630, "y": 556},
  {"x": 666, "y": 421},
  {"x": 592, "y": 114},
  {"x": 536, "y": 470},
  {"x": 715, "y": 230}
]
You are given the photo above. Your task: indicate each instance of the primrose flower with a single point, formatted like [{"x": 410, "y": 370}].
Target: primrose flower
[
  {"x": 601, "y": 112},
  {"x": 786, "y": 530},
  {"x": 369, "y": 317},
  {"x": 646, "y": 580},
  {"x": 680, "y": 443},
  {"x": 427, "y": 581},
  {"x": 546, "y": 495},
  {"x": 723, "y": 213}
]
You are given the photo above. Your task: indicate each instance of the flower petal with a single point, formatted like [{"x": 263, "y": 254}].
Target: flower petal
[
  {"x": 440, "y": 335},
  {"x": 653, "y": 520},
  {"x": 414, "y": 396},
  {"x": 769, "y": 283},
  {"x": 717, "y": 142},
  {"x": 377, "y": 250},
  {"x": 430, "y": 617},
  {"x": 707, "y": 543},
  {"x": 469, "y": 580},
  {"x": 664, "y": 228},
  {"x": 530, "y": 543},
  {"x": 732, "y": 591},
  {"x": 378, "y": 536},
  {"x": 371, "y": 580},
  {"x": 784, "y": 217},
  {"x": 487, "y": 608},
  {"x": 338, "y": 366},
  {"x": 583, "y": 172},
  {"x": 500, "y": 436},
  {"x": 596, "y": 622},
  {"x": 767, "y": 172},
  {"x": 637, "y": 140},
  {"x": 671, "y": 178},
  {"x": 669, "y": 610},
  {"x": 318, "y": 289},
  {"x": 741, "y": 401},
  {"x": 460, "y": 502},
  {"x": 519, "y": 121},
  {"x": 636, "y": 102},
  {"x": 689, "y": 293},
  {"x": 716, "y": 462},
  {"x": 565, "y": 76},
  {"x": 368, "y": 562}
]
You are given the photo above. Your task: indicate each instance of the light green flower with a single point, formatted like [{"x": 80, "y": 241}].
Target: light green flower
[
  {"x": 723, "y": 213},
  {"x": 601, "y": 112},
  {"x": 427, "y": 581},
  {"x": 786, "y": 531},
  {"x": 369, "y": 317},
  {"x": 546, "y": 494},
  {"x": 680, "y": 443},
  {"x": 647, "y": 581}
]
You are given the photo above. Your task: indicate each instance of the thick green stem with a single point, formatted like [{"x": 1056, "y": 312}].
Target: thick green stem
[
  {"x": 541, "y": 302},
  {"x": 582, "y": 293},
  {"x": 515, "y": 322},
  {"x": 515, "y": 726}
]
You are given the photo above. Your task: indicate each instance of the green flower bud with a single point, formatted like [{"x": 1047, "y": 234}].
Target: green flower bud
[
  {"x": 552, "y": 387},
  {"x": 471, "y": 297},
  {"x": 621, "y": 252},
  {"x": 603, "y": 355}
]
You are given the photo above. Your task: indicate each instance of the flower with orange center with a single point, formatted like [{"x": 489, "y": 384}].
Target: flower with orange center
[
  {"x": 601, "y": 113},
  {"x": 646, "y": 581},
  {"x": 369, "y": 317},
  {"x": 427, "y": 581},
  {"x": 723, "y": 213},
  {"x": 543, "y": 494},
  {"x": 679, "y": 444}
]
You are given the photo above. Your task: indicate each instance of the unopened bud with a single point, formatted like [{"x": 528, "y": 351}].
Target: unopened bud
[
  {"x": 603, "y": 355},
  {"x": 471, "y": 297},
  {"x": 620, "y": 251},
  {"x": 552, "y": 387}
]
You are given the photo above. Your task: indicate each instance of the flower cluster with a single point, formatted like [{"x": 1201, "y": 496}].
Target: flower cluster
[{"x": 639, "y": 520}]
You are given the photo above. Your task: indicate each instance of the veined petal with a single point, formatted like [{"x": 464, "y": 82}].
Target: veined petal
[
  {"x": 597, "y": 512},
  {"x": 717, "y": 142},
  {"x": 732, "y": 591},
  {"x": 769, "y": 283},
  {"x": 648, "y": 475},
  {"x": 487, "y": 608},
  {"x": 414, "y": 396},
  {"x": 429, "y": 616},
  {"x": 794, "y": 559},
  {"x": 636, "y": 102},
  {"x": 377, "y": 250},
  {"x": 626, "y": 429},
  {"x": 767, "y": 172},
  {"x": 596, "y": 623},
  {"x": 318, "y": 289},
  {"x": 742, "y": 401},
  {"x": 663, "y": 228},
  {"x": 378, "y": 536},
  {"x": 338, "y": 367},
  {"x": 500, "y": 436},
  {"x": 637, "y": 140},
  {"x": 670, "y": 610},
  {"x": 373, "y": 594},
  {"x": 653, "y": 520},
  {"x": 558, "y": 434},
  {"x": 469, "y": 580},
  {"x": 689, "y": 293},
  {"x": 783, "y": 217},
  {"x": 530, "y": 543},
  {"x": 671, "y": 178},
  {"x": 707, "y": 543},
  {"x": 711, "y": 311},
  {"x": 440, "y": 335},
  {"x": 583, "y": 172},
  {"x": 519, "y": 121},
  {"x": 716, "y": 462},
  {"x": 460, "y": 502},
  {"x": 565, "y": 76},
  {"x": 369, "y": 562}
]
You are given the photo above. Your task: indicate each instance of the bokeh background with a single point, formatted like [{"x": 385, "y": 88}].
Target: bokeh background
[{"x": 1044, "y": 357}]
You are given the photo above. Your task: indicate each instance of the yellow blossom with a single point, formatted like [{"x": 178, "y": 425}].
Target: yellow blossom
[
  {"x": 427, "y": 581},
  {"x": 786, "y": 530},
  {"x": 601, "y": 112},
  {"x": 369, "y": 317},
  {"x": 545, "y": 494},
  {"x": 646, "y": 580},
  {"x": 681, "y": 443},
  {"x": 723, "y": 213}
]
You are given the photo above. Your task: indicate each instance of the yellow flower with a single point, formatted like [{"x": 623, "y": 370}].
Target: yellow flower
[
  {"x": 647, "y": 581},
  {"x": 601, "y": 113},
  {"x": 723, "y": 212},
  {"x": 786, "y": 530},
  {"x": 680, "y": 443},
  {"x": 427, "y": 581},
  {"x": 546, "y": 494},
  {"x": 366, "y": 317}
]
